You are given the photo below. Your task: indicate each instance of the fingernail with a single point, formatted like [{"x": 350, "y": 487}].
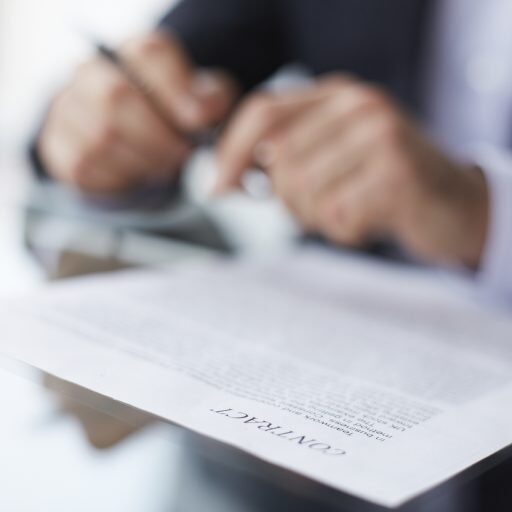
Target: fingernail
[
  {"x": 221, "y": 186},
  {"x": 190, "y": 110},
  {"x": 264, "y": 154},
  {"x": 205, "y": 85}
]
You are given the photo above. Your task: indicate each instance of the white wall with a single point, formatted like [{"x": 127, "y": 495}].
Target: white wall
[
  {"x": 41, "y": 40},
  {"x": 46, "y": 465}
]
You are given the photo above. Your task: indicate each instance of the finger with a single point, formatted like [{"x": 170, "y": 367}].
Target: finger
[
  {"x": 102, "y": 144},
  {"x": 120, "y": 171},
  {"x": 189, "y": 99},
  {"x": 75, "y": 144},
  {"x": 86, "y": 171},
  {"x": 258, "y": 119},
  {"x": 342, "y": 152},
  {"x": 66, "y": 146},
  {"x": 330, "y": 118},
  {"x": 131, "y": 167},
  {"x": 300, "y": 182},
  {"x": 154, "y": 148},
  {"x": 140, "y": 128},
  {"x": 114, "y": 170},
  {"x": 59, "y": 148},
  {"x": 262, "y": 116},
  {"x": 52, "y": 142},
  {"x": 356, "y": 209},
  {"x": 136, "y": 168},
  {"x": 162, "y": 69},
  {"x": 111, "y": 107},
  {"x": 217, "y": 93},
  {"x": 100, "y": 180}
]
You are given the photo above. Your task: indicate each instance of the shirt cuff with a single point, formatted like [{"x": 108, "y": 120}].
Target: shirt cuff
[{"x": 495, "y": 274}]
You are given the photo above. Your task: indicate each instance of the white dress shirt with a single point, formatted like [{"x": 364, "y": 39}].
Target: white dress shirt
[{"x": 468, "y": 76}]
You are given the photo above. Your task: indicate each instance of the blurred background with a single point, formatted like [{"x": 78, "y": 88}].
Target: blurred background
[{"x": 47, "y": 463}]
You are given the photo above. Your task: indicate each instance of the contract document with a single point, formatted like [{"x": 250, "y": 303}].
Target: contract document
[{"x": 377, "y": 380}]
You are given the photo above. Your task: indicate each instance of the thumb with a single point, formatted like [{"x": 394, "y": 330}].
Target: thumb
[
  {"x": 189, "y": 98},
  {"x": 215, "y": 93}
]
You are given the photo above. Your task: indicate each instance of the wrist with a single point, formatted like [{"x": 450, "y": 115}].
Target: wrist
[{"x": 475, "y": 217}]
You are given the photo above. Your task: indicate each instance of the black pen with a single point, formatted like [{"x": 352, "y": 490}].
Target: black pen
[
  {"x": 255, "y": 183},
  {"x": 111, "y": 55}
]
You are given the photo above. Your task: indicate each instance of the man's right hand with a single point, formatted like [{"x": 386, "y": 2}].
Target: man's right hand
[{"x": 103, "y": 136}]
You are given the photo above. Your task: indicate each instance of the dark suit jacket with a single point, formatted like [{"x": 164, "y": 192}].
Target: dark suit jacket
[{"x": 379, "y": 40}]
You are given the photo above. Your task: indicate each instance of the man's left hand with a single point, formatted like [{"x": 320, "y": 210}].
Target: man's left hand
[{"x": 349, "y": 164}]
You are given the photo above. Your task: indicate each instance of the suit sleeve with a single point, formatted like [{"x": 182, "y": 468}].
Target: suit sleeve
[
  {"x": 243, "y": 37},
  {"x": 496, "y": 268}
]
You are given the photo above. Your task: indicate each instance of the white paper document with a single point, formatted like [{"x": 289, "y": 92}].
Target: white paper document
[{"x": 377, "y": 380}]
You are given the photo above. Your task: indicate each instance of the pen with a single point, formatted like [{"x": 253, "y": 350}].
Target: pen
[
  {"x": 112, "y": 56},
  {"x": 255, "y": 183}
]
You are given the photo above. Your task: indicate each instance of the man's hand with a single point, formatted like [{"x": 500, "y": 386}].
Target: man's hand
[
  {"x": 103, "y": 136},
  {"x": 350, "y": 165}
]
